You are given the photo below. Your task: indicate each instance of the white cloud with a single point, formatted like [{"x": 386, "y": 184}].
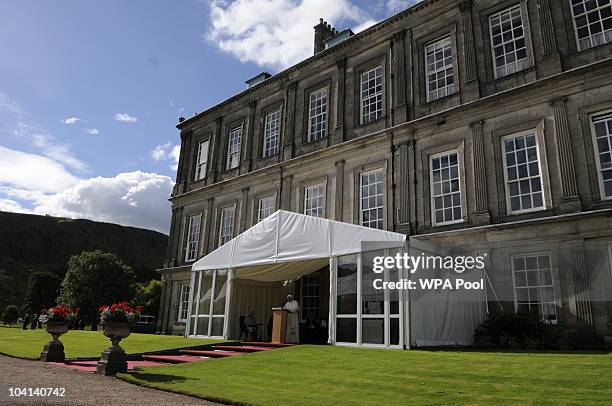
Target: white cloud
[
  {"x": 275, "y": 33},
  {"x": 16, "y": 121},
  {"x": 125, "y": 118},
  {"x": 364, "y": 25},
  {"x": 33, "y": 172},
  {"x": 395, "y": 6},
  {"x": 71, "y": 120},
  {"x": 12, "y": 206},
  {"x": 92, "y": 131},
  {"x": 136, "y": 199},
  {"x": 167, "y": 152}
]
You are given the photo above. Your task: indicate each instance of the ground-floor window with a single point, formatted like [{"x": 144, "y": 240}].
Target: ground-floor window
[
  {"x": 311, "y": 295},
  {"x": 366, "y": 315},
  {"x": 183, "y": 303},
  {"x": 533, "y": 286},
  {"x": 207, "y": 314}
]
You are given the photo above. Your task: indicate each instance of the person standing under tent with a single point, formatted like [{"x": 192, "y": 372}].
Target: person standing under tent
[{"x": 293, "y": 320}]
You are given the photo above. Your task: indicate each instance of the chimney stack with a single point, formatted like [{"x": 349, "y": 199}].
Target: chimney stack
[{"x": 323, "y": 31}]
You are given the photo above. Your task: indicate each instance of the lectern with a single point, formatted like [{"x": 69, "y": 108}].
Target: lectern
[{"x": 279, "y": 325}]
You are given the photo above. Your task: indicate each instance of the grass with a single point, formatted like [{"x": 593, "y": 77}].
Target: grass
[
  {"x": 307, "y": 375},
  {"x": 85, "y": 344}
]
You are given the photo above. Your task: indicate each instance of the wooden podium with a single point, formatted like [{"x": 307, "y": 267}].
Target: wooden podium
[{"x": 279, "y": 325}]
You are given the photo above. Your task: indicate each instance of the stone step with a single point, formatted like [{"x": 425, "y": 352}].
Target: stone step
[
  {"x": 211, "y": 353},
  {"x": 172, "y": 359},
  {"x": 242, "y": 348},
  {"x": 267, "y": 344}
]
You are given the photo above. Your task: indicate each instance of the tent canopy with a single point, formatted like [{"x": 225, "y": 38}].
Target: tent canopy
[{"x": 286, "y": 245}]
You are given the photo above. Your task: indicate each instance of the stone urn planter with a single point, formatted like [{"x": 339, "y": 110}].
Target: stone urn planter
[
  {"x": 54, "y": 349},
  {"x": 113, "y": 359}
]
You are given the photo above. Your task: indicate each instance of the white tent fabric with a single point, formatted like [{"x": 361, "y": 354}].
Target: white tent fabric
[{"x": 286, "y": 245}]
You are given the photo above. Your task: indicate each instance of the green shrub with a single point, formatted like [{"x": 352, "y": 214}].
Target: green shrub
[
  {"x": 11, "y": 314},
  {"x": 516, "y": 331}
]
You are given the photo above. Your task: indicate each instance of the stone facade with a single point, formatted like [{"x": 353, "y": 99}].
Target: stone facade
[{"x": 553, "y": 96}]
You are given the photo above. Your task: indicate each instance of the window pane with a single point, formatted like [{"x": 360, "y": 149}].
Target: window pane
[
  {"x": 523, "y": 181},
  {"x": 508, "y": 41},
  {"x": 439, "y": 69},
  {"x": 446, "y": 194},
  {"x": 533, "y": 288},
  {"x": 347, "y": 285},
  {"x": 373, "y": 331},
  {"x": 346, "y": 330},
  {"x": 371, "y": 95}
]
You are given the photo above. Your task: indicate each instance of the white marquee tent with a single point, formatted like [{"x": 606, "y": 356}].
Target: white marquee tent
[{"x": 284, "y": 246}]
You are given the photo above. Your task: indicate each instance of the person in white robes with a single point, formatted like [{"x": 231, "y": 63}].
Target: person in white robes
[{"x": 292, "y": 334}]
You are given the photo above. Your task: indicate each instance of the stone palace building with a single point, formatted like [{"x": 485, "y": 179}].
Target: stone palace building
[{"x": 484, "y": 126}]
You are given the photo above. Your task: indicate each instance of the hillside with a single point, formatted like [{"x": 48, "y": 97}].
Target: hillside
[{"x": 46, "y": 243}]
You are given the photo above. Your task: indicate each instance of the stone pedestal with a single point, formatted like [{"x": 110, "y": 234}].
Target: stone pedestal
[
  {"x": 53, "y": 351},
  {"x": 112, "y": 361}
]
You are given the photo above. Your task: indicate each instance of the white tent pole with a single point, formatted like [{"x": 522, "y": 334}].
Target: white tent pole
[
  {"x": 191, "y": 289},
  {"x": 278, "y": 217},
  {"x": 408, "y": 317},
  {"x": 228, "y": 297},
  {"x": 331, "y": 324}
]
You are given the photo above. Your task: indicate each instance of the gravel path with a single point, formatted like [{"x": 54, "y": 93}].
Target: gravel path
[{"x": 81, "y": 388}]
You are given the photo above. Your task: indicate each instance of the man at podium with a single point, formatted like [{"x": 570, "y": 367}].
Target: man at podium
[{"x": 293, "y": 320}]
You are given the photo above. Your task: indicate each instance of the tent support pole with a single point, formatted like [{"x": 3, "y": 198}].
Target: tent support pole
[
  {"x": 331, "y": 324},
  {"x": 191, "y": 293},
  {"x": 228, "y": 299}
]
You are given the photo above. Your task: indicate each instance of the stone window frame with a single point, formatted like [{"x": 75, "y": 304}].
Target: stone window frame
[
  {"x": 187, "y": 223},
  {"x": 306, "y": 197},
  {"x": 183, "y": 304},
  {"x": 272, "y": 197},
  {"x": 261, "y": 138},
  {"x": 197, "y": 174},
  {"x": 383, "y": 165},
  {"x": 575, "y": 28},
  {"x": 461, "y": 179},
  {"x": 240, "y": 122},
  {"x": 426, "y": 154},
  {"x": 204, "y": 136},
  {"x": 324, "y": 180},
  {"x": 539, "y": 285},
  {"x": 488, "y": 44},
  {"x": 591, "y": 117},
  {"x": 381, "y": 60},
  {"x": 584, "y": 116},
  {"x": 421, "y": 44},
  {"x": 218, "y": 212},
  {"x": 326, "y": 84},
  {"x": 538, "y": 126},
  {"x": 254, "y": 200}
]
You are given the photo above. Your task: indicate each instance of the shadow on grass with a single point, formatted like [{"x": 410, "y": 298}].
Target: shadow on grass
[{"x": 147, "y": 377}]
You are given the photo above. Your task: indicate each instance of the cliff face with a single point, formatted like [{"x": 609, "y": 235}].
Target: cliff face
[{"x": 30, "y": 242}]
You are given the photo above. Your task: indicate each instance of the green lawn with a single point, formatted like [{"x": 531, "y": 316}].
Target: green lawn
[
  {"x": 84, "y": 344},
  {"x": 315, "y": 375}
]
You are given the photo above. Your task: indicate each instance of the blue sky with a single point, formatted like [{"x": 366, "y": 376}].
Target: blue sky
[{"x": 90, "y": 91}]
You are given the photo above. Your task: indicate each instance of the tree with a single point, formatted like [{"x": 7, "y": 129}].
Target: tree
[
  {"x": 6, "y": 289},
  {"x": 41, "y": 290},
  {"x": 94, "y": 279},
  {"x": 11, "y": 314},
  {"x": 148, "y": 294}
]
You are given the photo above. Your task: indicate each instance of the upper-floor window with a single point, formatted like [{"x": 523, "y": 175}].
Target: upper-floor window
[
  {"x": 265, "y": 207},
  {"x": 371, "y": 94},
  {"x": 371, "y": 206},
  {"x": 522, "y": 172},
  {"x": 601, "y": 127},
  {"x": 445, "y": 188},
  {"x": 183, "y": 303},
  {"x": 508, "y": 41},
  {"x": 317, "y": 115},
  {"x": 233, "y": 147},
  {"x": 202, "y": 160},
  {"x": 193, "y": 236},
  {"x": 593, "y": 22},
  {"x": 271, "y": 133},
  {"x": 226, "y": 227},
  {"x": 534, "y": 292},
  {"x": 439, "y": 69},
  {"x": 314, "y": 200}
]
